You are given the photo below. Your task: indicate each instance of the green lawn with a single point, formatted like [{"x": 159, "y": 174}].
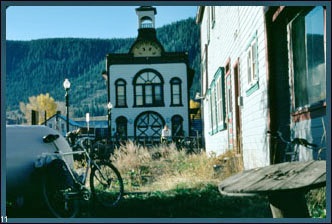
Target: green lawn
[{"x": 202, "y": 202}]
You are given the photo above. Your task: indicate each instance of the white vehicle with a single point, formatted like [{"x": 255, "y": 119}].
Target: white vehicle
[
  {"x": 40, "y": 163},
  {"x": 24, "y": 150}
]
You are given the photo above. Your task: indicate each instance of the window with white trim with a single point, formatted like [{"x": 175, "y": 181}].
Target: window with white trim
[
  {"x": 213, "y": 108},
  {"x": 176, "y": 92},
  {"x": 252, "y": 61},
  {"x": 219, "y": 102},
  {"x": 216, "y": 103},
  {"x": 209, "y": 111},
  {"x": 220, "y": 99}
]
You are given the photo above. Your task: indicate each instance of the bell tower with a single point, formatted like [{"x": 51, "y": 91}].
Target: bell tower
[
  {"x": 150, "y": 86},
  {"x": 146, "y": 17},
  {"x": 146, "y": 44}
]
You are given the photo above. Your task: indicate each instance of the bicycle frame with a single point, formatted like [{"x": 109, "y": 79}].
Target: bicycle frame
[
  {"x": 81, "y": 183},
  {"x": 71, "y": 190},
  {"x": 290, "y": 149}
]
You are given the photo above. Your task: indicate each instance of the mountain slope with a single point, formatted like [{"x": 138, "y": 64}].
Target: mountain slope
[{"x": 40, "y": 66}]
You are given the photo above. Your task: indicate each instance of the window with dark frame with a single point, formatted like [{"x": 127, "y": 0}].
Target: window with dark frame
[
  {"x": 176, "y": 92},
  {"x": 177, "y": 126},
  {"x": 307, "y": 51},
  {"x": 121, "y": 128},
  {"x": 148, "y": 89},
  {"x": 120, "y": 86}
]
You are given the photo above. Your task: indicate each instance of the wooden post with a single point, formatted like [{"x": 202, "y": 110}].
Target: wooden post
[
  {"x": 34, "y": 117},
  {"x": 289, "y": 204},
  {"x": 45, "y": 117}
]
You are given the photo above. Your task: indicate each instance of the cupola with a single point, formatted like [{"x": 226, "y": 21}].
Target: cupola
[{"x": 146, "y": 17}]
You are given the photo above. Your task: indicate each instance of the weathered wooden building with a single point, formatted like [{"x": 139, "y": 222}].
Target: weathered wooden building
[{"x": 263, "y": 68}]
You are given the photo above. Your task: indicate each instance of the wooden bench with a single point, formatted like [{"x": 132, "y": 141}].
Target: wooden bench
[{"x": 285, "y": 184}]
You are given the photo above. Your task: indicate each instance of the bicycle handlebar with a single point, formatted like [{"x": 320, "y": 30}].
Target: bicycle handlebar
[
  {"x": 81, "y": 141},
  {"x": 295, "y": 141},
  {"x": 304, "y": 142}
]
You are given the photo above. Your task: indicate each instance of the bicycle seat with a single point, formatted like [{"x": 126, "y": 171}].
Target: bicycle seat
[{"x": 50, "y": 138}]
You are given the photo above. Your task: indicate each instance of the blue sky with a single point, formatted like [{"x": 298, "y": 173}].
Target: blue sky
[{"x": 36, "y": 22}]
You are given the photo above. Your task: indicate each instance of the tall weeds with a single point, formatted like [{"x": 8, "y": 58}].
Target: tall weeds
[{"x": 165, "y": 167}]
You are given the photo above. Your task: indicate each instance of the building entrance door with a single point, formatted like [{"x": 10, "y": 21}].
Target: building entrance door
[
  {"x": 229, "y": 110},
  {"x": 238, "y": 138},
  {"x": 148, "y": 127}
]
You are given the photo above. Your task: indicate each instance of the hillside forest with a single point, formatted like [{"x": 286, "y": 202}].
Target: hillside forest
[{"x": 40, "y": 66}]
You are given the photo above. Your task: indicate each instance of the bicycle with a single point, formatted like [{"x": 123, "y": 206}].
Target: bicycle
[
  {"x": 189, "y": 144},
  {"x": 291, "y": 151},
  {"x": 63, "y": 187},
  {"x": 98, "y": 148}
]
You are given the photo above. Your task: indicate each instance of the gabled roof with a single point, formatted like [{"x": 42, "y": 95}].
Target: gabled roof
[
  {"x": 199, "y": 14},
  {"x": 71, "y": 122}
]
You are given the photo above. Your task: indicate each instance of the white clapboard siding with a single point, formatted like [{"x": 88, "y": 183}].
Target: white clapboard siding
[{"x": 233, "y": 29}]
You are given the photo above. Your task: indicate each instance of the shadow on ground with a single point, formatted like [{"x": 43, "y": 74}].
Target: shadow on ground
[{"x": 179, "y": 203}]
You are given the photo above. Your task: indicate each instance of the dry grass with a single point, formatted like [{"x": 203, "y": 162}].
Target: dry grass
[{"x": 164, "y": 167}]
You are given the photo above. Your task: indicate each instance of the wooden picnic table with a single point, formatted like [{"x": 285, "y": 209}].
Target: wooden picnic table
[{"x": 285, "y": 184}]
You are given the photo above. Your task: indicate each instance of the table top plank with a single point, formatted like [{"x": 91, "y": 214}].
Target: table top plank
[
  {"x": 283, "y": 176},
  {"x": 277, "y": 175},
  {"x": 291, "y": 176}
]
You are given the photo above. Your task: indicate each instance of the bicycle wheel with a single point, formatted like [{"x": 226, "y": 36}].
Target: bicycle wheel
[
  {"x": 106, "y": 184},
  {"x": 57, "y": 184}
]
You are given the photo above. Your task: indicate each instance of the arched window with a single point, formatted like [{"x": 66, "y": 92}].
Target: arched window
[
  {"x": 120, "y": 86},
  {"x": 177, "y": 126},
  {"x": 148, "y": 89},
  {"x": 176, "y": 92},
  {"x": 121, "y": 128},
  {"x": 148, "y": 126},
  {"x": 146, "y": 22}
]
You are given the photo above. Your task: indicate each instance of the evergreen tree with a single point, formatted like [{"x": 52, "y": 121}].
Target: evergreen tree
[{"x": 39, "y": 66}]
